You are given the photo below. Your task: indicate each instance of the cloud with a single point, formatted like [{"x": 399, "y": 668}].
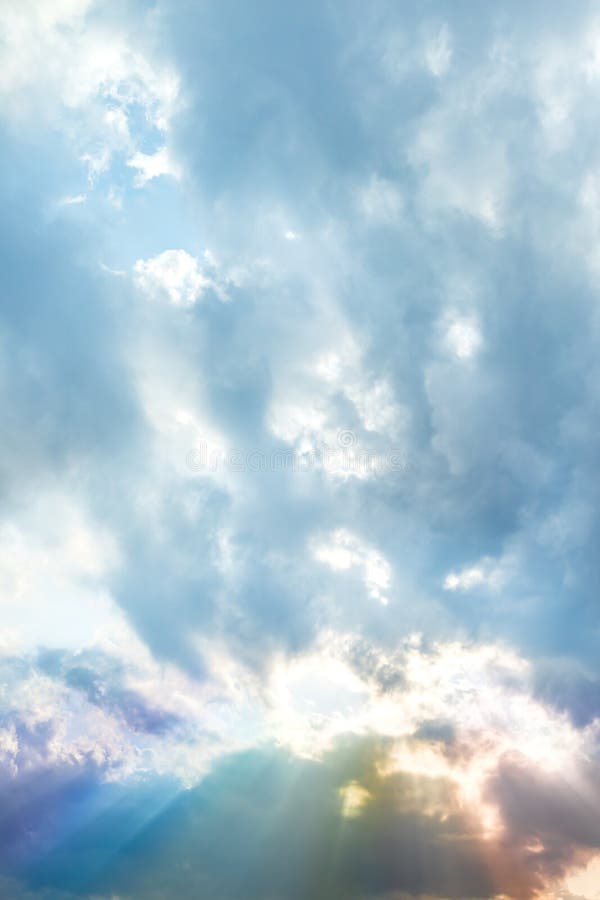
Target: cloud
[
  {"x": 80, "y": 725},
  {"x": 381, "y": 201},
  {"x": 438, "y": 53},
  {"x": 74, "y": 200},
  {"x": 550, "y": 819},
  {"x": 344, "y": 551},
  {"x": 487, "y": 573},
  {"x": 96, "y": 79},
  {"x": 173, "y": 274},
  {"x": 294, "y": 808},
  {"x": 463, "y": 338},
  {"x": 149, "y": 166},
  {"x": 285, "y": 825},
  {"x": 401, "y": 211}
]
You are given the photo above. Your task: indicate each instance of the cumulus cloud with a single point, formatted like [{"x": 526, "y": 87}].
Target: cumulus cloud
[{"x": 173, "y": 274}]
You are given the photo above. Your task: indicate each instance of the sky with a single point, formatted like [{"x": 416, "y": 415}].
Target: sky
[{"x": 300, "y": 416}]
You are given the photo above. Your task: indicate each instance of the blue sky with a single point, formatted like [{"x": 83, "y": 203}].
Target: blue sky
[{"x": 299, "y": 401}]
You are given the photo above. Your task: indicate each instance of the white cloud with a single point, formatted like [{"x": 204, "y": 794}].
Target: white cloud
[
  {"x": 460, "y": 170},
  {"x": 340, "y": 368},
  {"x": 481, "y": 691},
  {"x": 53, "y": 566},
  {"x": 305, "y": 410},
  {"x": 93, "y": 77},
  {"x": 464, "y": 580},
  {"x": 486, "y": 573},
  {"x": 295, "y": 423},
  {"x": 343, "y": 550},
  {"x": 462, "y": 336},
  {"x": 152, "y": 165},
  {"x": 377, "y": 407},
  {"x": 74, "y": 200},
  {"x": 174, "y": 275}
]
